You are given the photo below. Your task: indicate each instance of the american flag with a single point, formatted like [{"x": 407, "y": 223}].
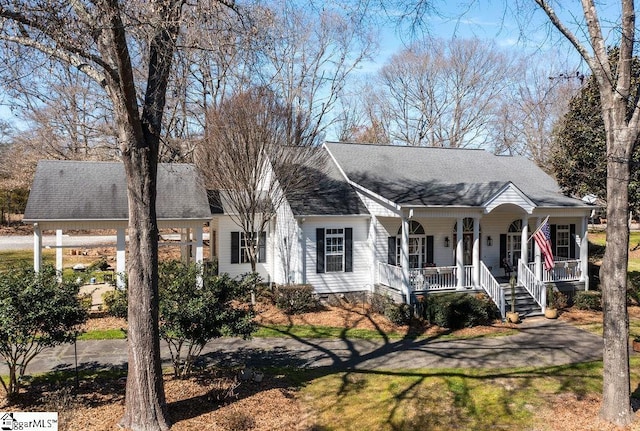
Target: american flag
[{"x": 543, "y": 239}]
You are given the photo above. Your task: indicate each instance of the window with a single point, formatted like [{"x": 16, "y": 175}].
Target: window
[
  {"x": 240, "y": 244},
  {"x": 562, "y": 240},
  {"x": 416, "y": 244},
  {"x": 334, "y": 248}
]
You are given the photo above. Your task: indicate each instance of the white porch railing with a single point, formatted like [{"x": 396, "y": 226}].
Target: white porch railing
[
  {"x": 563, "y": 270},
  {"x": 435, "y": 278},
  {"x": 493, "y": 289},
  {"x": 432, "y": 278},
  {"x": 535, "y": 287},
  {"x": 390, "y": 275}
]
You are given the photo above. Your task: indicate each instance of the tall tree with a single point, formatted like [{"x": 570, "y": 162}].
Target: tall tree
[
  {"x": 96, "y": 37},
  {"x": 527, "y": 112},
  {"x": 248, "y": 157},
  {"x": 443, "y": 93},
  {"x": 579, "y": 159},
  {"x": 615, "y": 88},
  {"x": 311, "y": 50}
]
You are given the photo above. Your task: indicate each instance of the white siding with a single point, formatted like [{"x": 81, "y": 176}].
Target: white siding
[
  {"x": 336, "y": 282},
  {"x": 285, "y": 266},
  {"x": 225, "y": 226},
  {"x": 377, "y": 207},
  {"x": 510, "y": 195}
]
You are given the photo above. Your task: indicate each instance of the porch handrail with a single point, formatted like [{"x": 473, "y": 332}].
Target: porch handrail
[
  {"x": 535, "y": 287},
  {"x": 493, "y": 289},
  {"x": 564, "y": 269},
  {"x": 390, "y": 275}
]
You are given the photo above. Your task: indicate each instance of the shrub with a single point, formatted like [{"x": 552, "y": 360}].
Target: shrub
[
  {"x": 86, "y": 300},
  {"x": 99, "y": 265},
  {"x": 398, "y": 314},
  {"x": 196, "y": 307},
  {"x": 455, "y": 311},
  {"x": 36, "y": 311},
  {"x": 379, "y": 303},
  {"x": 296, "y": 299},
  {"x": 115, "y": 302},
  {"x": 588, "y": 300}
]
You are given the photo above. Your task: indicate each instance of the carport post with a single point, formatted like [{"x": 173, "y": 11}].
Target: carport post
[
  {"x": 59, "y": 253},
  {"x": 37, "y": 247}
]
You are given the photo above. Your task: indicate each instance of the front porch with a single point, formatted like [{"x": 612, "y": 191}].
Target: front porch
[{"x": 434, "y": 279}]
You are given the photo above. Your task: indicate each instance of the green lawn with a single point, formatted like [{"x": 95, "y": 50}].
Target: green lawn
[{"x": 445, "y": 399}]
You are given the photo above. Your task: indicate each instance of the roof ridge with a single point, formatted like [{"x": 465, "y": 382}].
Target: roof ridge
[{"x": 407, "y": 146}]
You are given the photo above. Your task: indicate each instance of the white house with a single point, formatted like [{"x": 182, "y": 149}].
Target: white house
[
  {"x": 381, "y": 218},
  {"x": 416, "y": 219}
]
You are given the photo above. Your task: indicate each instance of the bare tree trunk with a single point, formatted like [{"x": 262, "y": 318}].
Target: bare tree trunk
[
  {"x": 616, "y": 389},
  {"x": 145, "y": 398}
]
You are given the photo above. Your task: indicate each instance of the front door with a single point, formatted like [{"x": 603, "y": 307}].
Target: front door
[{"x": 514, "y": 248}]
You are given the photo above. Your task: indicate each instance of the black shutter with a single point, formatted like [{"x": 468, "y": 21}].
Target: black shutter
[
  {"x": 348, "y": 249},
  {"x": 320, "y": 250},
  {"x": 235, "y": 247},
  {"x": 553, "y": 239},
  {"x": 262, "y": 247},
  {"x": 572, "y": 241},
  {"x": 503, "y": 249},
  {"x": 391, "y": 251},
  {"x": 430, "y": 258}
]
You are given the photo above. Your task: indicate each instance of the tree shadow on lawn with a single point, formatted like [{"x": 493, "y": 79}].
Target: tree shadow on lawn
[
  {"x": 305, "y": 360},
  {"x": 293, "y": 362},
  {"x": 93, "y": 385}
]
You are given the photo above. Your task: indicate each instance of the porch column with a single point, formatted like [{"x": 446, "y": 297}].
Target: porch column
[
  {"x": 121, "y": 266},
  {"x": 538, "y": 254},
  {"x": 584, "y": 253},
  {"x": 460, "y": 253},
  {"x": 185, "y": 247},
  {"x": 476, "y": 251},
  {"x": 37, "y": 247},
  {"x": 404, "y": 258},
  {"x": 59, "y": 253},
  {"x": 525, "y": 236},
  {"x": 199, "y": 257},
  {"x": 197, "y": 232}
]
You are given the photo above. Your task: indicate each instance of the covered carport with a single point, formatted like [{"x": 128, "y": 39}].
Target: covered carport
[{"x": 88, "y": 195}]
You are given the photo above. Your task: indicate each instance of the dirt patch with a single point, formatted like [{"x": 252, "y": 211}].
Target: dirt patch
[
  {"x": 569, "y": 412},
  {"x": 212, "y": 400}
]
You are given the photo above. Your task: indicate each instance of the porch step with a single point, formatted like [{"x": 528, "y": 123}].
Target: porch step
[{"x": 525, "y": 304}]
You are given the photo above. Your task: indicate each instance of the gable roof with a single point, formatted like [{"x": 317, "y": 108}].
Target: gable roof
[
  {"x": 86, "y": 190},
  {"x": 330, "y": 193},
  {"x": 431, "y": 176}
]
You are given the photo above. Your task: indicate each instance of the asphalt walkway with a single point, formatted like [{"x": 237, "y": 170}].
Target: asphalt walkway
[{"x": 540, "y": 342}]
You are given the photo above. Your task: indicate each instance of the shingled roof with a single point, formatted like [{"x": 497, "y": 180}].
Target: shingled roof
[
  {"x": 86, "y": 190},
  {"x": 432, "y": 176},
  {"x": 330, "y": 193}
]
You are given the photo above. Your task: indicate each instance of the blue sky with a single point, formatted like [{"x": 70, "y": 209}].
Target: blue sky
[
  {"x": 485, "y": 19},
  {"x": 501, "y": 21}
]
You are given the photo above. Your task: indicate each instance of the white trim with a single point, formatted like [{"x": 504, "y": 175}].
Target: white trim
[{"x": 495, "y": 201}]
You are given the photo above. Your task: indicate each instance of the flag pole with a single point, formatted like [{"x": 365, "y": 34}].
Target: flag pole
[{"x": 538, "y": 228}]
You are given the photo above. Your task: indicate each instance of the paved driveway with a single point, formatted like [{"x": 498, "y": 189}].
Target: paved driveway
[{"x": 539, "y": 343}]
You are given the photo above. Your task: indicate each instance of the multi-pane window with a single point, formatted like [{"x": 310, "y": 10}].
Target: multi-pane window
[
  {"x": 562, "y": 240},
  {"x": 334, "y": 250},
  {"x": 241, "y": 246},
  {"x": 245, "y": 244}
]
